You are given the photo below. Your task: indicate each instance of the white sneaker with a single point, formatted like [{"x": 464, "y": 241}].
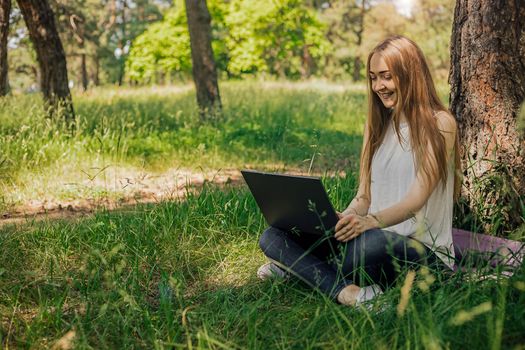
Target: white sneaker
[
  {"x": 367, "y": 299},
  {"x": 271, "y": 270},
  {"x": 368, "y": 293}
]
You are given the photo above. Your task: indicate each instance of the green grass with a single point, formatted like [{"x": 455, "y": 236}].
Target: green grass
[
  {"x": 259, "y": 125},
  {"x": 182, "y": 274},
  {"x": 264, "y": 126}
]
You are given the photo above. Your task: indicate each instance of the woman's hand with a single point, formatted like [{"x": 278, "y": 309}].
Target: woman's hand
[{"x": 350, "y": 226}]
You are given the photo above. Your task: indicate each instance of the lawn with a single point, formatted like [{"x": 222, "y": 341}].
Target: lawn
[
  {"x": 181, "y": 274},
  {"x": 265, "y": 125}
]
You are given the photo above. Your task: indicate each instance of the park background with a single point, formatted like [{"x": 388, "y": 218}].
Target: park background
[{"x": 125, "y": 223}]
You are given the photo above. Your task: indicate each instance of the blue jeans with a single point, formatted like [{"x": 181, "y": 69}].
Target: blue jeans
[{"x": 376, "y": 256}]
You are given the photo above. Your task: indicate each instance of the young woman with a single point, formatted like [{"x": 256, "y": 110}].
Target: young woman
[{"x": 402, "y": 213}]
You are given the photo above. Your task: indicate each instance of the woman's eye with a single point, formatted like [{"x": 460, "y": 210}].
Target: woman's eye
[
  {"x": 373, "y": 78},
  {"x": 388, "y": 77}
]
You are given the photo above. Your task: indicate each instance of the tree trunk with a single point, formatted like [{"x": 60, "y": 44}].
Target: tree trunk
[
  {"x": 308, "y": 63},
  {"x": 83, "y": 71},
  {"x": 122, "y": 43},
  {"x": 96, "y": 74},
  {"x": 204, "y": 71},
  {"x": 40, "y": 22},
  {"x": 487, "y": 79},
  {"x": 356, "y": 75},
  {"x": 5, "y": 10}
]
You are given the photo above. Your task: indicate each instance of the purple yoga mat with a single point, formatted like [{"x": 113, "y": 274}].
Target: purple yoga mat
[{"x": 502, "y": 251}]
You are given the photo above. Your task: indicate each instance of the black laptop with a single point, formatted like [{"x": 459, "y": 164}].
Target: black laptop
[{"x": 292, "y": 203}]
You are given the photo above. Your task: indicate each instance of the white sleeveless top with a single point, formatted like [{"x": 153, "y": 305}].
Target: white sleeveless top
[{"x": 392, "y": 173}]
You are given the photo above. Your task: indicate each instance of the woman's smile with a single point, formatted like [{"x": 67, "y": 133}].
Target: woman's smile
[
  {"x": 388, "y": 98},
  {"x": 386, "y": 95}
]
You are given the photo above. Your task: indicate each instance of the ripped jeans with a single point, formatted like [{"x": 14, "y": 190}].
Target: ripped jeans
[{"x": 376, "y": 256}]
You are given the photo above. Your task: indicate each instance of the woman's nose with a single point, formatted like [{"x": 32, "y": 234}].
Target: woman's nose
[{"x": 378, "y": 85}]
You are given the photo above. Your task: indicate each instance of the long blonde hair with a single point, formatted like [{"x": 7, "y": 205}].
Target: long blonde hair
[{"x": 417, "y": 99}]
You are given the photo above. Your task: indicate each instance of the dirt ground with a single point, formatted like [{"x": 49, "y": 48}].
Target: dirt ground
[
  {"x": 114, "y": 187},
  {"x": 125, "y": 188}
]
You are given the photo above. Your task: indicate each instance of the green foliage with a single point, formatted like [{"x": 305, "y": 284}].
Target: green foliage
[
  {"x": 282, "y": 38},
  {"x": 244, "y": 46},
  {"x": 290, "y": 33},
  {"x": 278, "y": 38},
  {"x": 345, "y": 24},
  {"x": 22, "y": 72},
  {"x": 94, "y": 28},
  {"x": 164, "y": 49},
  {"x": 291, "y": 38}
]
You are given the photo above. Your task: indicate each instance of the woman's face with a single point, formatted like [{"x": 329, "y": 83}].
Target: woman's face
[{"x": 382, "y": 82}]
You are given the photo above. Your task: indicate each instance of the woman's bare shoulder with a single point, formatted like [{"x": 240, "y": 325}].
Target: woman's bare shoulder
[{"x": 445, "y": 121}]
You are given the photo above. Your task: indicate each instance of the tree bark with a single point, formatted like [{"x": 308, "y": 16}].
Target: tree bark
[
  {"x": 40, "y": 22},
  {"x": 5, "y": 10},
  {"x": 308, "y": 63},
  {"x": 204, "y": 70},
  {"x": 487, "y": 79},
  {"x": 96, "y": 73},
  {"x": 83, "y": 71},
  {"x": 356, "y": 74}
]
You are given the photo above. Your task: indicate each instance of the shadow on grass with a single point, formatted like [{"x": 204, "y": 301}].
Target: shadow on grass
[{"x": 181, "y": 274}]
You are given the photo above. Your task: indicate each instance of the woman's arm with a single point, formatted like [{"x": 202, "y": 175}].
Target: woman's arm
[
  {"x": 353, "y": 225},
  {"x": 360, "y": 204}
]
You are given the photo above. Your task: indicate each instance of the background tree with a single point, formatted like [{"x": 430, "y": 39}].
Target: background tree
[
  {"x": 287, "y": 38},
  {"x": 291, "y": 39},
  {"x": 381, "y": 21},
  {"x": 359, "y": 28},
  {"x": 345, "y": 21},
  {"x": 204, "y": 71},
  {"x": 163, "y": 50},
  {"x": 430, "y": 26},
  {"x": 23, "y": 67},
  {"x": 97, "y": 35},
  {"x": 487, "y": 79},
  {"x": 80, "y": 23},
  {"x": 5, "y": 11},
  {"x": 40, "y": 22},
  {"x": 244, "y": 36}
]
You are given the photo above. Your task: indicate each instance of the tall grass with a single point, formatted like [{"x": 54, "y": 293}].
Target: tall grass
[
  {"x": 183, "y": 275},
  {"x": 259, "y": 124},
  {"x": 265, "y": 126}
]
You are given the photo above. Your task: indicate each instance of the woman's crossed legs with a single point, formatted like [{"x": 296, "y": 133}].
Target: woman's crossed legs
[{"x": 376, "y": 256}]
